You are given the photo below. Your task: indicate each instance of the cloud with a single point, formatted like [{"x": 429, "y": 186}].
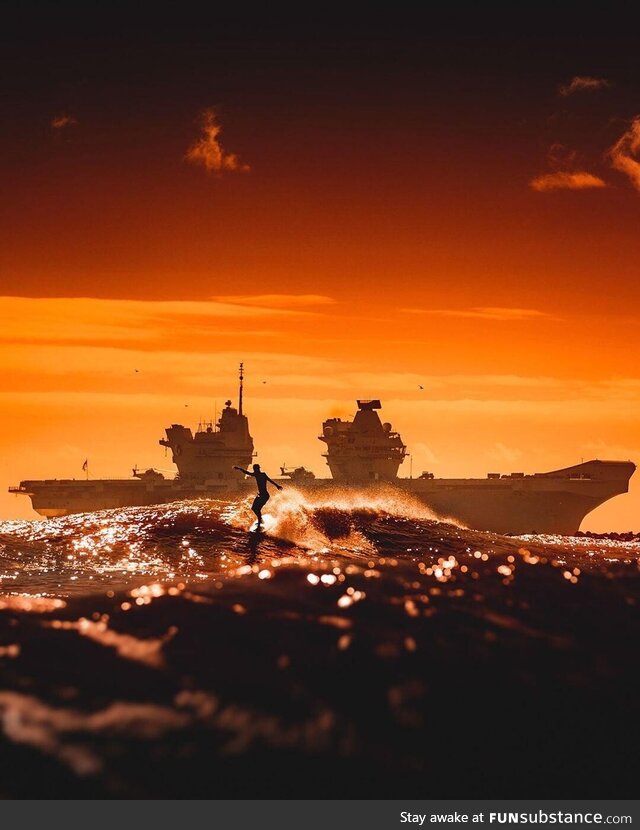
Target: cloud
[
  {"x": 502, "y": 453},
  {"x": 208, "y": 151},
  {"x": 625, "y": 153},
  {"x": 59, "y": 122},
  {"x": 60, "y": 319},
  {"x": 197, "y": 368},
  {"x": 583, "y": 83},
  {"x": 561, "y": 157},
  {"x": 564, "y": 163},
  {"x": 484, "y": 313},
  {"x": 422, "y": 453},
  {"x": 602, "y": 449},
  {"x": 580, "y": 180},
  {"x": 276, "y": 300}
]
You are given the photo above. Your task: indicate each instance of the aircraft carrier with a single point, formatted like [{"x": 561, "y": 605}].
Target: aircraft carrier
[{"x": 363, "y": 452}]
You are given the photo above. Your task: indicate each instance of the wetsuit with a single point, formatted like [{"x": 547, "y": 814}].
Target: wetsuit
[{"x": 263, "y": 494}]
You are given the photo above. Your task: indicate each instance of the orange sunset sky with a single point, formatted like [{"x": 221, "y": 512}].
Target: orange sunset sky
[{"x": 354, "y": 208}]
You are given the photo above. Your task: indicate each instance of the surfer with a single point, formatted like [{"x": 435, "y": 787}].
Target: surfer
[{"x": 263, "y": 494}]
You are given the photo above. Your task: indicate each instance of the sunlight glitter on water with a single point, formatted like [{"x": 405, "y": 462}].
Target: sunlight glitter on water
[
  {"x": 328, "y": 536},
  {"x": 149, "y": 588}
]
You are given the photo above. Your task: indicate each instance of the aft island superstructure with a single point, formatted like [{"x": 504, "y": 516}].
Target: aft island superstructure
[{"x": 363, "y": 452}]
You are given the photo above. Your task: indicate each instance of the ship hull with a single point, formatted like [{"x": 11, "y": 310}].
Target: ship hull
[
  {"x": 543, "y": 503},
  {"x": 512, "y": 511},
  {"x": 550, "y": 503},
  {"x": 65, "y": 497},
  {"x": 554, "y": 502}
]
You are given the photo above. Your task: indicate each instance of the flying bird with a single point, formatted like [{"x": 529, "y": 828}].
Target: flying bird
[{"x": 420, "y": 387}]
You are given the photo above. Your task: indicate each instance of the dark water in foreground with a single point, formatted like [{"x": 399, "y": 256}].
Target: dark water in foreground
[{"x": 361, "y": 649}]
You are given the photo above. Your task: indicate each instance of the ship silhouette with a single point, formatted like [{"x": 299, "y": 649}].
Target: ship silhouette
[{"x": 363, "y": 452}]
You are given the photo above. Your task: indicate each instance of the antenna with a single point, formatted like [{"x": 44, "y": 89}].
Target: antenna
[{"x": 240, "y": 395}]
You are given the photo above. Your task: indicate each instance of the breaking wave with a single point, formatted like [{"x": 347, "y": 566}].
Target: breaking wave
[
  {"x": 162, "y": 651},
  {"x": 196, "y": 541}
]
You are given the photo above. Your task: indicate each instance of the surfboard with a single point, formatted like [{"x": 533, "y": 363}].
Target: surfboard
[{"x": 268, "y": 523}]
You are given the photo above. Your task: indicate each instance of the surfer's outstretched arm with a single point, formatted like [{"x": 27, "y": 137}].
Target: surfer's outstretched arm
[
  {"x": 246, "y": 472},
  {"x": 279, "y": 486}
]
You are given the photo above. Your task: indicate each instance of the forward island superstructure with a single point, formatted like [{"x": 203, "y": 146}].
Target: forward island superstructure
[
  {"x": 363, "y": 452},
  {"x": 204, "y": 459},
  {"x": 212, "y": 454}
]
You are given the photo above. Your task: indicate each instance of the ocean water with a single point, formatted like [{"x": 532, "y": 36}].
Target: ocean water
[{"x": 363, "y": 647}]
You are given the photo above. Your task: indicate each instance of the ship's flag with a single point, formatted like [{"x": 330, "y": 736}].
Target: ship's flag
[{"x": 85, "y": 466}]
